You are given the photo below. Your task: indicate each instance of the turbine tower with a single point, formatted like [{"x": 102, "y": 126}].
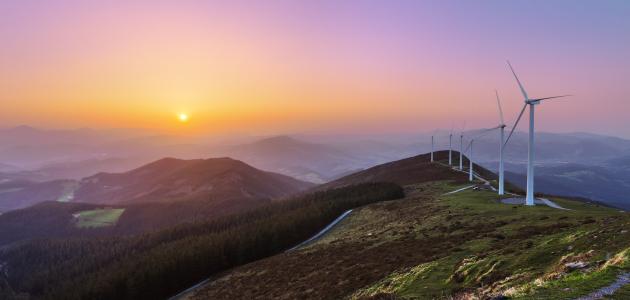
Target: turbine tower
[
  {"x": 529, "y": 198},
  {"x": 461, "y": 149},
  {"x": 470, "y": 161},
  {"x": 501, "y": 142},
  {"x": 450, "y": 148},
  {"x": 432, "y": 143}
]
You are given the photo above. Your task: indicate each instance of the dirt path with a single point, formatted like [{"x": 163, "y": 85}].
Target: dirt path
[
  {"x": 622, "y": 280},
  {"x": 459, "y": 190}
]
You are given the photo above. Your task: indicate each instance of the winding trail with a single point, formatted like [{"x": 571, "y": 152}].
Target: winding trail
[
  {"x": 552, "y": 204},
  {"x": 459, "y": 190},
  {"x": 622, "y": 280}
]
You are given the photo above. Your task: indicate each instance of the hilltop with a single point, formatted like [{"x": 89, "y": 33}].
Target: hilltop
[{"x": 170, "y": 179}]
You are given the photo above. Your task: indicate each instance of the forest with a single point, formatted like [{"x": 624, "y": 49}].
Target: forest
[{"x": 162, "y": 263}]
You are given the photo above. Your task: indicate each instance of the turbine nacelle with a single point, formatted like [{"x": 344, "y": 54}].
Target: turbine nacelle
[{"x": 532, "y": 102}]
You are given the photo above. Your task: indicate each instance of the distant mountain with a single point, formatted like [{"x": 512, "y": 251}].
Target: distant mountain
[
  {"x": 88, "y": 167},
  {"x": 555, "y": 147},
  {"x": 16, "y": 194},
  {"x": 8, "y": 168},
  {"x": 27, "y": 135},
  {"x": 170, "y": 179},
  {"x": 311, "y": 162},
  {"x": 618, "y": 162}
]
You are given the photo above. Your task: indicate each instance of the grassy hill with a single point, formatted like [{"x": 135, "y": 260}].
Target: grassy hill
[{"x": 429, "y": 245}]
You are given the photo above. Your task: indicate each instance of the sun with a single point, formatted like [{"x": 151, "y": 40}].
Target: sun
[{"x": 183, "y": 117}]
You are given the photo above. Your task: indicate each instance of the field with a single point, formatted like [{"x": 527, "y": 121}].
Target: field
[
  {"x": 98, "y": 217},
  {"x": 432, "y": 246}
]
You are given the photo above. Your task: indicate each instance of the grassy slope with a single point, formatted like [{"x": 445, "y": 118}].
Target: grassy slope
[
  {"x": 431, "y": 246},
  {"x": 98, "y": 217},
  {"x": 520, "y": 257}
]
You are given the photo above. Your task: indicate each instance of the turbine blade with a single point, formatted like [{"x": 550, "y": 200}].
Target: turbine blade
[
  {"x": 519, "y": 82},
  {"x": 500, "y": 109},
  {"x": 515, "y": 124},
  {"x": 547, "y": 98},
  {"x": 468, "y": 147}
]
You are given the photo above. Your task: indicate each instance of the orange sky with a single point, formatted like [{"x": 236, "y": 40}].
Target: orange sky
[{"x": 287, "y": 67}]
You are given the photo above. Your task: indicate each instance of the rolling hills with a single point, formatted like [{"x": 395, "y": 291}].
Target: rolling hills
[
  {"x": 38, "y": 155},
  {"x": 428, "y": 244},
  {"x": 161, "y": 194}
]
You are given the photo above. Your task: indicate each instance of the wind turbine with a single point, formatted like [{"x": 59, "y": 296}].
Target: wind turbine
[
  {"x": 461, "y": 147},
  {"x": 432, "y": 145},
  {"x": 501, "y": 144},
  {"x": 470, "y": 159},
  {"x": 450, "y": 148},
  {"x": 529, "y": 198}
]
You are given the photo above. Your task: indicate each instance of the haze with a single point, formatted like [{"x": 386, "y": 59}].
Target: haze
[{"x": 304, "y": 66}]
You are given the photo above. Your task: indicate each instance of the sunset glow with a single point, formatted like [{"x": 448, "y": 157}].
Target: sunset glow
[
  {"x": 357, "y": 66},
  {"x": 183, "y": 117}
]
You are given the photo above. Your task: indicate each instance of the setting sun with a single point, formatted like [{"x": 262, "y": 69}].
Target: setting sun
[{"x": 183, "y": 117}]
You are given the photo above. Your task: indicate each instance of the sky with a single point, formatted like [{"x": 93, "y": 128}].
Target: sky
[{"x": 265, "y": 67}]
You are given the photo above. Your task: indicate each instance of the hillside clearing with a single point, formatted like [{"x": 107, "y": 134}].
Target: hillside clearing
[{"x": 98, "y": 217}]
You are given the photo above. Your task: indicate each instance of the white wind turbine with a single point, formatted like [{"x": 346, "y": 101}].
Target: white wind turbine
[
  {"x": 501, "y": 144},
  {"x": 461, "y": 148},
  {"x": 529, "y": 198},
  {"x": 450, "y": 148},
  {"x": 432, "y": 144},
  {"x": 470, "y": 159}
]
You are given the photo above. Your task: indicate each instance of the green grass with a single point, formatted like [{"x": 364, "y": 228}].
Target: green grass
[
  {"x": 98, "y": 217},
  {"x": 520, "y": 255}
]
